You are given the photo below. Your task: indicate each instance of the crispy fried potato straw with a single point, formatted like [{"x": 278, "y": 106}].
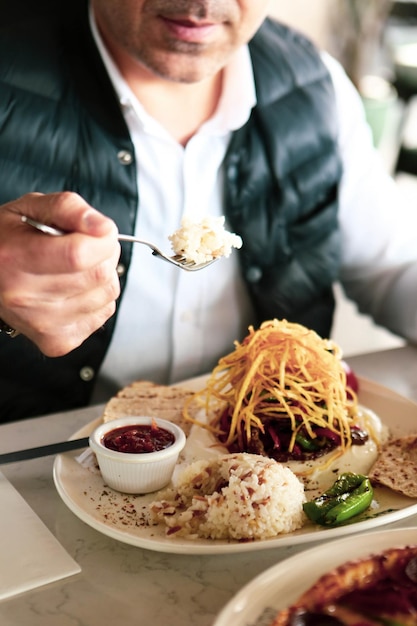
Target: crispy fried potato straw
[{"x": 280, "y": 370}]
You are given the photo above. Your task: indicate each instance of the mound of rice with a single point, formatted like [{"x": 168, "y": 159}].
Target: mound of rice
[
  {"x": 236, "y": 496},
  {"x": 205, "y": 240}
]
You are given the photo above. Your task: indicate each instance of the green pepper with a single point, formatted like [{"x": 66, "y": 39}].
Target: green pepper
[
  {"x": 357, "y": 501},
  {"x": 307, "y": 444},
  {"x": 350, "y": 495},
  {"x": 345, "y": 483}
]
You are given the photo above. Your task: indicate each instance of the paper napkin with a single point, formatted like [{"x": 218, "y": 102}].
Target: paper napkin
[{"x": 30, "y": 555}]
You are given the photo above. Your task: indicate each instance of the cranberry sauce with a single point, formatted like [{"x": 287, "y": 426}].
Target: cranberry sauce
[{"x": 138, "y": 439}]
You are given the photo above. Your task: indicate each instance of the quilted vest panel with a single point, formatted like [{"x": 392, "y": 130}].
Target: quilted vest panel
[
  {"x": 282, "y": 175},
  {"x": 56, "y": 134}
]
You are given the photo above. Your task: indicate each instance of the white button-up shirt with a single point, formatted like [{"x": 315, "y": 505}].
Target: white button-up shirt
[{"x": 172, "y": 324}]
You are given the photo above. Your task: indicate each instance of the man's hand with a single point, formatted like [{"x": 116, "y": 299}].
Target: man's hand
[{"x": 57, "y": 290}]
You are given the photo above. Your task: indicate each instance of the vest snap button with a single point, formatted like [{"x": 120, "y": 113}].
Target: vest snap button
[
  {"x": 254, "y": 274},
  {"x": 232, "y": 173},
  {"x": 87, "y": 373},
  {"x": 125, "y": 157},
  {"x": 120, "y": 269}
]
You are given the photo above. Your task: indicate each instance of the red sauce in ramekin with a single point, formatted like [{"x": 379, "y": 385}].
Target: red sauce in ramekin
[{"x": 138, "y": 439}]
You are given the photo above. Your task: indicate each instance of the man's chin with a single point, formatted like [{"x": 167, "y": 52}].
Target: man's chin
[{"x": 187, "y": 69}]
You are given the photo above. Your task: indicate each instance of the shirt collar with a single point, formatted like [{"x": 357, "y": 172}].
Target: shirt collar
[{"x": 235, "y": 104}]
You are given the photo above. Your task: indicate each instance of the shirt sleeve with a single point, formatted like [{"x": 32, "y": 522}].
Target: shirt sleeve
[{"x": 378, "y": 222}]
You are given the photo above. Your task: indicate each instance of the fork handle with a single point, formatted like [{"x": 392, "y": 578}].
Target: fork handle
[
  {"x": 130, "y": 238},
  {"x": 44, "y": 228},
  {"x": 57, "y": 232}
]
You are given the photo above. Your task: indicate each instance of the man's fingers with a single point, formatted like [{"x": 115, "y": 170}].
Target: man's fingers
[
  {"x": 66, "y": 210},
  {"x": 57, "y": 290}
]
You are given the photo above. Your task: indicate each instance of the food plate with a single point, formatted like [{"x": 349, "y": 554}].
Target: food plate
[
  {"x": 258, "y": 602},
  {"x": 122, "y": 517}
]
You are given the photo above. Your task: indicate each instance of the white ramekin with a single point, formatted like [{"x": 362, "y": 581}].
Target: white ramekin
[{"x": 137, "y": 473}]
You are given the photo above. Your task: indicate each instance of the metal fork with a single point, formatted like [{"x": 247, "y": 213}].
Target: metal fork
[{"x": 177, "y": 259}]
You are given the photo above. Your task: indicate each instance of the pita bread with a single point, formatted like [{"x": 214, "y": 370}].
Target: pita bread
[
  {"x": 146, "y": 398},
  {"x": 396, "y": 466}
]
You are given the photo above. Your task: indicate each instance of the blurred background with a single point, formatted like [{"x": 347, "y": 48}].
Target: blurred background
[{"x": 376, "y": 42}]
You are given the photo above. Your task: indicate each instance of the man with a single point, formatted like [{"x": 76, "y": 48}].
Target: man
[{"x": 146, "y": 110}]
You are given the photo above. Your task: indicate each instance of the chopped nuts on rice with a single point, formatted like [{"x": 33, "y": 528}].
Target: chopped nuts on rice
[{"x": 236, "y": 496}]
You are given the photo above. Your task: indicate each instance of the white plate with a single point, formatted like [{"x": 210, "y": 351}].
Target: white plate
[
  {"x": 257, "y": 603},
  {"x": 119, "y": 516}
]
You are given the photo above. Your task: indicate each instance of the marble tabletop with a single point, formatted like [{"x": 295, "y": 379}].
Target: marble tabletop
[{"x": 129, "y": 586}]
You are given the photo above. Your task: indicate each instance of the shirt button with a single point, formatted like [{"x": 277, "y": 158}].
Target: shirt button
[
  {"x": 87, "y": 373},
  {"x": 125, "y": 103},
  {"x": 125, "y": 157},
  {"x": 120, "y": 269}
]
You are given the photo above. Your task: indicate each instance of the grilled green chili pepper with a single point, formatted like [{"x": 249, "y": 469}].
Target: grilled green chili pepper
[{"x": 350, "y": 495}]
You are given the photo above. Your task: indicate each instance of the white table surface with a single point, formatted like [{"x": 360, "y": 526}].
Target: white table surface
[{"x": 122, "y": 585}]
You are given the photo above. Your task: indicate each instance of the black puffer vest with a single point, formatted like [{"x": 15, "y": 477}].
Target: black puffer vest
[{"x": 61, "y": 129}]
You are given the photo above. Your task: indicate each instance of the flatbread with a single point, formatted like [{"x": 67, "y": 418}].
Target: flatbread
[
  {"x": 396, "y": 466},
  {"x": 146, "y": 398},
  {"x": 363, "y": 591}
]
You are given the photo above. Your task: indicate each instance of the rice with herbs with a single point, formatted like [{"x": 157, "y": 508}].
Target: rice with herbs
[
  {"x": 236, "y": 496},
  {"x": 204, "y": 241}
]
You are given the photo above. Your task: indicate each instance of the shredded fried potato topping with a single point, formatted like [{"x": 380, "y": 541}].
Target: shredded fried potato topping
[{"x": 280, "y": 370}]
